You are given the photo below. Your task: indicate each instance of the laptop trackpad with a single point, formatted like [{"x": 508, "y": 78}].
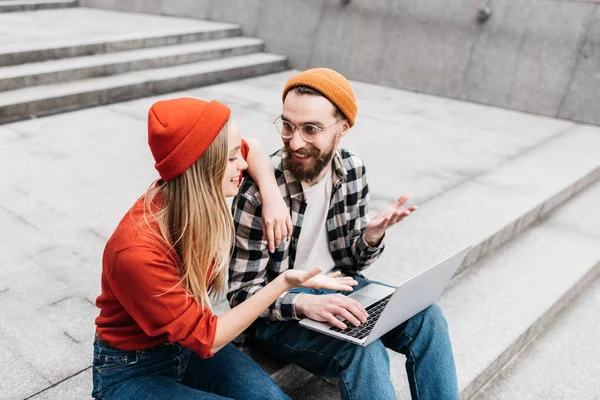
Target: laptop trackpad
[
  {"x": 371, "y": 293},
  {"x": 365, "y": 301}
]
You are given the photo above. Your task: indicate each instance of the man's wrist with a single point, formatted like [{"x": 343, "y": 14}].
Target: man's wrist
[{"x": 373, "y": 242}]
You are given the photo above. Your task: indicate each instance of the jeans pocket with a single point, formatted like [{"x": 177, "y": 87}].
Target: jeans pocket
[{"x": 111, "y": 362}]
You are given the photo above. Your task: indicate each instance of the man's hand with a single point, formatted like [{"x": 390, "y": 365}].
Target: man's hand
[
  {"x": 391, "y": 215},
  {"x": 277, "y": 224},
  {"x": 327, "y": 307}
]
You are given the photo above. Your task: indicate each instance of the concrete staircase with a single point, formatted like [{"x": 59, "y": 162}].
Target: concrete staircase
[
  {"x": 527, "y": 203},
  {"x": 47, "y": 75}
]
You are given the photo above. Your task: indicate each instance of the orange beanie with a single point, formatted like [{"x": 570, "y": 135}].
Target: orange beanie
[
  {"x": 180, "y": 131},
  {"x": 331, "y": 84}
]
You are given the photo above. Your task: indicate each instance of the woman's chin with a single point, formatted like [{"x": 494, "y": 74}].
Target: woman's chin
[{"x": 232, "y": 191}]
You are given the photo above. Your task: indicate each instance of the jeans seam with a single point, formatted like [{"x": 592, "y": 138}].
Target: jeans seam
[
  {"x": 345, "y": 383},
  {"x": 414, "y": 372},
  {"x": 412, "y": 339}
]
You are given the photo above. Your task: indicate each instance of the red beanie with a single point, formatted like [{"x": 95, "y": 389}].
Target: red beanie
[{"x": 180, "y": 131}]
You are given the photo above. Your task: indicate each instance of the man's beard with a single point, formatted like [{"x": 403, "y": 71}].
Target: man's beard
[{"x": 307, "y": 172}]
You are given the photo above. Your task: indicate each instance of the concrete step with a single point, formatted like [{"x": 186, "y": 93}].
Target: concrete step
[
  {"x": 37, "y": 100},
  {"x": 498, "y": 309},
  {"x": 78, "y": 46},
  {"x": 72, "y": 69},
  {"x": 562, "y": 363},
  {"x": 32, "y": 5},
  {"x": 492, "y": 207}
]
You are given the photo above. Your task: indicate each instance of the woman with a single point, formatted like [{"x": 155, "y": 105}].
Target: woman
[{"x": 156, "y": 336}]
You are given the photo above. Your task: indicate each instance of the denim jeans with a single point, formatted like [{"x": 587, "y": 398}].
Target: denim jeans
[
  {"x": 364, "y": 372},
  {"x": 173, "y": 372}
]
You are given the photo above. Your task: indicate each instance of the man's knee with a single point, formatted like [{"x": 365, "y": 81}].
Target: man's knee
[{"x": 432, "y": 318}]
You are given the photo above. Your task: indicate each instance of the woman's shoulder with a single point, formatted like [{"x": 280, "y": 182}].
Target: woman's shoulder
[{"x": 137, "y": 235}]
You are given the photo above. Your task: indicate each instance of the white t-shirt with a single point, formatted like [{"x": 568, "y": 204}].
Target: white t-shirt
[{"x": 313, "y": 244}]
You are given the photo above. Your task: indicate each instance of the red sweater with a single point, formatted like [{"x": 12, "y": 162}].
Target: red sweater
[{"x": 142, "y": 304}]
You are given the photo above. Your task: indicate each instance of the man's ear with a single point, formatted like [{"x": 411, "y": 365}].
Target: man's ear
[{"x": 344, "y": 129}]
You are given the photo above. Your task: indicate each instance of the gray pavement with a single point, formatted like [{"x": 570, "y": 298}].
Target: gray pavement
[{"x": 69, "y": 178}]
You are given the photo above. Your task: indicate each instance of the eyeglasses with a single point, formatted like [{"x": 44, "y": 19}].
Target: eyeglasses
[{"x": 308, "y": 132}]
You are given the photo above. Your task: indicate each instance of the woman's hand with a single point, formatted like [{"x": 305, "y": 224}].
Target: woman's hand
[
  {"x": 277, "y": 224},
  {"x": 311, "y": 279}
]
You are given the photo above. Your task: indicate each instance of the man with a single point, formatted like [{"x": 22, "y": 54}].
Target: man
[{"x": 325, "y": 188}]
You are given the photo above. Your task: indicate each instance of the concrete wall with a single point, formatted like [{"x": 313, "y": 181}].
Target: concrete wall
[{"x": 539, "y": 56}]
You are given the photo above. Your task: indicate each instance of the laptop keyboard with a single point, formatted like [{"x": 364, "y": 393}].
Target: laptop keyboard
[{"x": 363, "y": 330}]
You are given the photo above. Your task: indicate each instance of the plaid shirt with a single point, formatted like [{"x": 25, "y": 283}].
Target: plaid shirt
[{"x": 252, "y": 266}]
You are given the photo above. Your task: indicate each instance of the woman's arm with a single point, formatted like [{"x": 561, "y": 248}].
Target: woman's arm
[
  {"x": 236, "y": 320},
  {"x": 277, "y": 224}
]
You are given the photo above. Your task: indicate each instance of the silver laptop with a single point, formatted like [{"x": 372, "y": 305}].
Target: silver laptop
[{"x": 388, "y": 307}]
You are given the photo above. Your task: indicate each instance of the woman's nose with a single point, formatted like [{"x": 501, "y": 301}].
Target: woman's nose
[{"x": 243, "y": 165}]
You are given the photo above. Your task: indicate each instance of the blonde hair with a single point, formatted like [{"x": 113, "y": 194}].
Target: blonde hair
[{"x": 194, "y": 220}]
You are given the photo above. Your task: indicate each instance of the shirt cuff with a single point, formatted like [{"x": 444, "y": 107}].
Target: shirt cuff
[
  {"x": 288, "y": 306},
  {"x": 363, "y": 246}
]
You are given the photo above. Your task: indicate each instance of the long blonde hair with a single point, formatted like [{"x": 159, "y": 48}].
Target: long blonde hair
[{"x": 194, "y": 220}]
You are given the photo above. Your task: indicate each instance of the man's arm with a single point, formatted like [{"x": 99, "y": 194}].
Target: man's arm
[{"x": 251, "y": 266}]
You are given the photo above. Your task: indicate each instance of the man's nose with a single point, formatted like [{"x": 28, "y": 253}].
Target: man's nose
[{"x": 297, "y": 142}]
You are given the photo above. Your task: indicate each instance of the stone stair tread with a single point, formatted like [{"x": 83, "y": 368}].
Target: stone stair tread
[
  {"x": 495, "y": 309},
  {"x": 95, "y": 84},
  {"x": 10, "y": 72},
  {"x": 109, "y": 38},
  {"x": 561, "y": 363},
  {"x": 28, "y": 2},
  {"x": 20, "y": 6},
  {"x": 45, "y": 31},
  {"x": 491, "y": 207}
]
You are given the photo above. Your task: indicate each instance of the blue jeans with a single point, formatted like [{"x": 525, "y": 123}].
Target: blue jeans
[
  {"x": 173, "y": 372},
  {"x": 364, "y": 372}
]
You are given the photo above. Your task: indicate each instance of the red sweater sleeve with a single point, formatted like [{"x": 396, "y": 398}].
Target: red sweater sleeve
[
  {"x": 146, "y": 283},
  {"x": 245, "y": 149}
]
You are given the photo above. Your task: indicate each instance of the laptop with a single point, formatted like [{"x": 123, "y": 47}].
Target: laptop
[{"x": 388, "y": 307}]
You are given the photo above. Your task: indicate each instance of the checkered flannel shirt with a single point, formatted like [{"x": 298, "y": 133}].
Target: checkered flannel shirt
[{"x": 252, "y": 266}]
